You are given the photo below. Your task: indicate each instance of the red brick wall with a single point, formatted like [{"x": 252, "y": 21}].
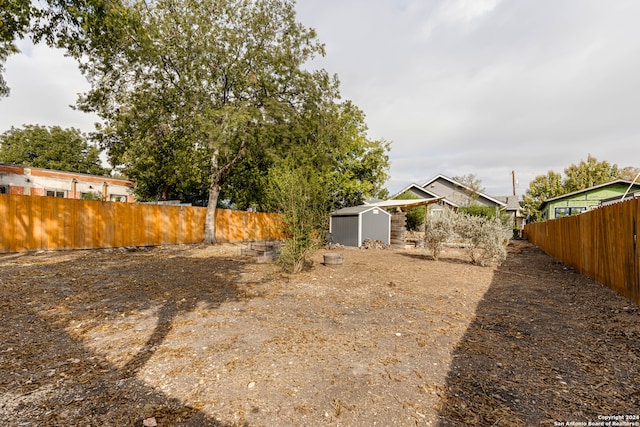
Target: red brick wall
[{"x": 14, "y": 189}]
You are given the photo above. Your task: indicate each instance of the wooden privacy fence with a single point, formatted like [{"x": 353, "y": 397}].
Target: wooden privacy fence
[
  {"x": 601, "y": 244},
  {"x": 49, "y": 223}
]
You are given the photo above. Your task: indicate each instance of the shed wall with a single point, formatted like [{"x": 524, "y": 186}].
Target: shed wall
[
  {"x": 344, "y": 230},
  {"x": 375, "y": 226}
]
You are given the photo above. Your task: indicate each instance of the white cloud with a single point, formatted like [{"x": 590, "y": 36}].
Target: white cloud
[{"x": 44, "y": 84}]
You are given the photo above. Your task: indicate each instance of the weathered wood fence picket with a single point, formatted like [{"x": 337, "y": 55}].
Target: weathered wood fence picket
[
  {"x": 47, "y": 223},
  {"x": 601, "y": 244}
]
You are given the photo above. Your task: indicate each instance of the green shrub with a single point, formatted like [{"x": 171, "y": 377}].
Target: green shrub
[
  {"x": 486, "y": 238},
  {"x": 294, "y": 193},
  {"x": 415, "y": 216},
  {"x": 439, "y": 230}
]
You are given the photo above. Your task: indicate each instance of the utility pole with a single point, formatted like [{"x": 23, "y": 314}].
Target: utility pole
[{"x": 513, "y": 181}]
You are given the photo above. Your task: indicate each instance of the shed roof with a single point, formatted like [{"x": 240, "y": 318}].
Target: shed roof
[{"x": 357, "y": 210}]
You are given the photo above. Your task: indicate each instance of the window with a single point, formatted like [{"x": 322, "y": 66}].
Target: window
[
  {"x": 118, "y": 198},
  {"x": 567, "y": 211},
  {"x": 53, "y": 193},
  {"x": 4, "y": 189}
]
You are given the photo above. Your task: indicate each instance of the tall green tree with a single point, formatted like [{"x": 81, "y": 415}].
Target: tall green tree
[
  {"x": 589, "y": 173},
  {"x": 218, "y": 86},
  {"x": 630, "y": 173},
  {"x": 50, "y": 148},
  {"x": 360, "y": 166},
  {"x": 219, "y": 75},
  {"x": 541, "y": 188}
]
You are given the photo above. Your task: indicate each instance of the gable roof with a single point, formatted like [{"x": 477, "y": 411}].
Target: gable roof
[
  {"x": 512, "y": 202},
  {"x": 357, "y": 210},
  {"x": 413, "y": 186},
  {"x": 595, "y": 187},
  {"x": 465, "y": 187}
]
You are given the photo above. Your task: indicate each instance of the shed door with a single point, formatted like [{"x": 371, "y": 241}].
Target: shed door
[
  {"x": 375, "y": 225},
  {"x": 344, "y": 230}
]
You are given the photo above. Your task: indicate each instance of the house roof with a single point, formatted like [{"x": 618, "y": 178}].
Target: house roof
[
  {"x": 446, "y": 178},
  {"x": 512, "y": 202},
  {"x": 595, "y": 187}
]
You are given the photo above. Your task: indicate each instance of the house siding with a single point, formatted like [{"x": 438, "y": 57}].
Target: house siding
[
  {"x": 588, "y": 200},
  {"x": 36, "y": 182},
  {"x": 455, "y": 194}
]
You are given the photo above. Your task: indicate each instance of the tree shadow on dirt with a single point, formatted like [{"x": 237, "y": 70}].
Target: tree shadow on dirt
[
  {"x": 547, "y": 345},
  {"x": 49, "y": 377}
]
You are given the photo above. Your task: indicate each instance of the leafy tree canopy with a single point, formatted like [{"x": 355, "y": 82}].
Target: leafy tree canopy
[
  {"x": 15, "y": 16},
  {"x": 576, "y": 177},
  {"x": 471, "y": 181},
  {"x": 197, "y": 97},
  {"x": 61, "y": 23},
  {"x": 50, "y": 148}
]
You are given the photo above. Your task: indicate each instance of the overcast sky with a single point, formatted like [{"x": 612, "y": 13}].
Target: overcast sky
[{"x": 458, "y": 87}]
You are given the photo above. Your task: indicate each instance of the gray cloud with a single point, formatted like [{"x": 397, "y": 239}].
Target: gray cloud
[
  {"x": 487, "y": 87},
  {"x": 458, "y": 86}
]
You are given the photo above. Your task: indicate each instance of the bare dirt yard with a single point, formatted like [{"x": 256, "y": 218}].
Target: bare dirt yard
[{"x": 202, "y": 336}]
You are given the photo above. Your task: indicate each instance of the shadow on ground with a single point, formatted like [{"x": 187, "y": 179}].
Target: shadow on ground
[
  {"x": 48, "y": 377},
  {"x": 547, "y": 345}
]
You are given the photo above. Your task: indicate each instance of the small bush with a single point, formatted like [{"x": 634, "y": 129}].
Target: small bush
[
  {"x": 486, "y": 238},
  {"x": 439, "y": 230}
]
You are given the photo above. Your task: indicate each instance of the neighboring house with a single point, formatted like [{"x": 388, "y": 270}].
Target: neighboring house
[
  {"x": 583, "y": 200},
  {"x": 513, "y": 209},
  {"x": 455, "y": 195},
  {"x": 71, "y": 185}
]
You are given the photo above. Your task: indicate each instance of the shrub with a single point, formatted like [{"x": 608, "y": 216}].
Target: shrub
[
  {"x": 415, "y": 216},
  {"x": 294, "y": 194},
  {"x": 439, "y": 230},
  {"x": 486, "y": 238}
]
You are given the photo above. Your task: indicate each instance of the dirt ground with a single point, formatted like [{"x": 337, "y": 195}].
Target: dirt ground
[{"x": 202, "y": 336}]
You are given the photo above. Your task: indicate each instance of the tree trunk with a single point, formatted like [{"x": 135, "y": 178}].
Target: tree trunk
[
  {"x": 210, "y": 218},
  {"x": 218, "y": 175},
  {"x": 214, "y": 193}
]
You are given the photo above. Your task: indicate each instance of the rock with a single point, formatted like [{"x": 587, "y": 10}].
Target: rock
[{"x": 374, "y": 244}]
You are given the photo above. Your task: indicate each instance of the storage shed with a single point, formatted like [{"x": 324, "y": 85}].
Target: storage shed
[{"x": 351, "y": 226}]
